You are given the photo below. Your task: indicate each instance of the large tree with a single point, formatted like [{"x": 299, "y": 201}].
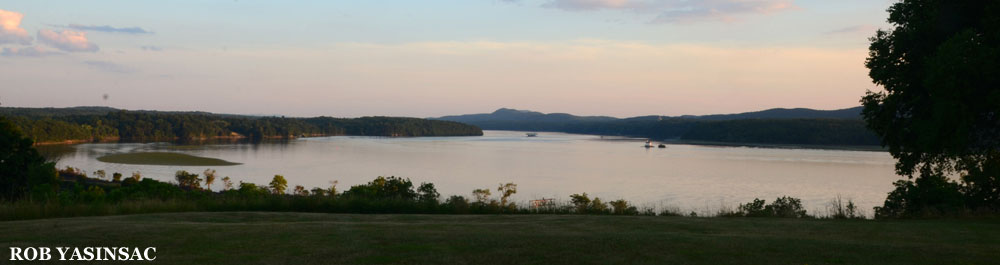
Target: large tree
[
  {"x": 939, "y": 113},
  {"x": 22, "y": 169}
]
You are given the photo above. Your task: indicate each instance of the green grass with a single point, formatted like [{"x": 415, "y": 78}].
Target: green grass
[
  {"x": 314, "y": 238},
  {"x": 163, "y": 159}
]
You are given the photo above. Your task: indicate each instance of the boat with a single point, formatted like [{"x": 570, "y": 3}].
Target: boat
[
  {"x": 531, "y": 134},
  {"x": 648, "y": 144},
  {"x": 662, "y": 146}
]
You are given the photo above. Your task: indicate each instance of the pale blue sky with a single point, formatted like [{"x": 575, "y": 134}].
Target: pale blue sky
[{"x": 432, "y": 58}]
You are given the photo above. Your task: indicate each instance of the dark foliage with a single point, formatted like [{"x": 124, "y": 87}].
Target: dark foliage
[
  {"x": 384, "y": 188},
  {"x": 928, "y": 196},
  {"x": 23, "y": 172},
  {"x": 186, "y": 126},
  {"x": 188, "y": 181},
  {"x": 940, "y": 112},
  {"x": 782, "y": 207}
]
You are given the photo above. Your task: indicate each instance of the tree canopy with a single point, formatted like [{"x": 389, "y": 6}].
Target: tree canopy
[
  {"x": 22, "y": 169},
  {"x": 57, "y": 125},
  {"x": 939, "y": 113}
]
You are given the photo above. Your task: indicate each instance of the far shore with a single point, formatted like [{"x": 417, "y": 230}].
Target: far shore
[{"x": 868, "y": 148}]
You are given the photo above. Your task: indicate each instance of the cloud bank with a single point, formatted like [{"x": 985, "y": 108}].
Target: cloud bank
[
  {"x": 10, "y": 28},
  {"x": 67, "y": 40}
]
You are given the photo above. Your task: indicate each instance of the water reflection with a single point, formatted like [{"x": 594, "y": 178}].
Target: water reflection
[{"x": 551, "y": 165}]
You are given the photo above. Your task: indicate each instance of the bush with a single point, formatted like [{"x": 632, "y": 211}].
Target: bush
[
  {"x": 188, "y": 181},
  {"x": 786, "y": 207},
  {"x": 930, "y": 195},
  {"x": 457, "y": 204},
  {"x": 251, "y": 190},
  {"x": 753, "y": 209},
  {"x": 783, "y": 207},
  {"x": 384, "y": 188},
  {"x": 427, "y": 193},
  {"x": 622, "y": 207},
  {"x": 838, "y": 210}
]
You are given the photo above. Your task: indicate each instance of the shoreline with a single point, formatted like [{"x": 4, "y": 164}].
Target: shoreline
[{"x": 863, "y": 148}]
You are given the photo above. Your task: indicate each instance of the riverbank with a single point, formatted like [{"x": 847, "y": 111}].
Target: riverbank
[
  {"x": 310, "y": 238},
  {"x": 869, "y": 148}
]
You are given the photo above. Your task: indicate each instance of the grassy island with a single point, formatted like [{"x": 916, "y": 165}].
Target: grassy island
[{"x": 163, "y": 159}]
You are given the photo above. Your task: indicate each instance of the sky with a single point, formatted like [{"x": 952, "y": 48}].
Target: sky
[{"x": 432, "y": 58}]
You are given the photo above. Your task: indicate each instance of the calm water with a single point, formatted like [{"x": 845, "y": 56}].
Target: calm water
[{"x": 552, "y": 165}]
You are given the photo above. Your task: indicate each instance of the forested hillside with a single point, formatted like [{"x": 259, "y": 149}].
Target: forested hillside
[
  {"x": 773, "y": 126},
  {"x": 97, "y": 124}
]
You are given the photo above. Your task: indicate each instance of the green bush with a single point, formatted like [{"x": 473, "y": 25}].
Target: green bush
[{"x": 384, "y": 188}]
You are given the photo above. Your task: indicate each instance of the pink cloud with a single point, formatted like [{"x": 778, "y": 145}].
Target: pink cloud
[
  {"x": 67, "y": 40},
  {"x": 10, "y": 28}
]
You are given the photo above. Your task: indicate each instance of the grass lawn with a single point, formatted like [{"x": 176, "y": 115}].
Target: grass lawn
[
  {"x": 310, "y": 238},
  {"x": 163, "y": 159}
]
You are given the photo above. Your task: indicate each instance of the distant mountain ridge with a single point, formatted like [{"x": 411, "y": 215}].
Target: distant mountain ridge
[
  {"x": 800, "y": 126},
  {"x": 506, "y": 114}
]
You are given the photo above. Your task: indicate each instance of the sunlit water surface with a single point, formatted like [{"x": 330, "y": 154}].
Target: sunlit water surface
[{"x": 553, "y": 165}]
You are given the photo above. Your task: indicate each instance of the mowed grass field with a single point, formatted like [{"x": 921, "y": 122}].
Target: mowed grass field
[{"x": 311, "y": 238}]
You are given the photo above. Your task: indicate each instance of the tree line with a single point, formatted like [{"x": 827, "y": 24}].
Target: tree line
[
  {"x": 125, "y": 125},
  {"x": 748, "y": 131}
]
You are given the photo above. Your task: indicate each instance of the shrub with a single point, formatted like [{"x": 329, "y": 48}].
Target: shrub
[
  {"x": 784, "y": 207},
  {"x": 838, "y": 210},
  {"x": 929, "y": 196},
  {"x": 251, "y": 190},
  {"x": 580, "y": 202},
  {"x": 622, "y": 207},
  {"x": 188, "y": 181},
  {"x": 753, "y": 209},
  {"x": 457, "y": 204},
  {"x": 384, "y": 188},
  {"x": 92, "y": 194}
]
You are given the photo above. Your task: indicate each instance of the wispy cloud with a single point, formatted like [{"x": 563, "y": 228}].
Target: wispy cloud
[
  {"x": 721, "y": 10},
  {"x": 33, "y": 51},
  {"x": 854, "y": 29},
  {"x": 109, "y": 67},
  {"x": 681, "y": 11},
  {"x": 577, "y": 5},
  {"x": 109, "y": 29},
  {"x": 10, "y": 28},
  {"x": 67, "y": 40},
  {"x": 151, "y": 48}
]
